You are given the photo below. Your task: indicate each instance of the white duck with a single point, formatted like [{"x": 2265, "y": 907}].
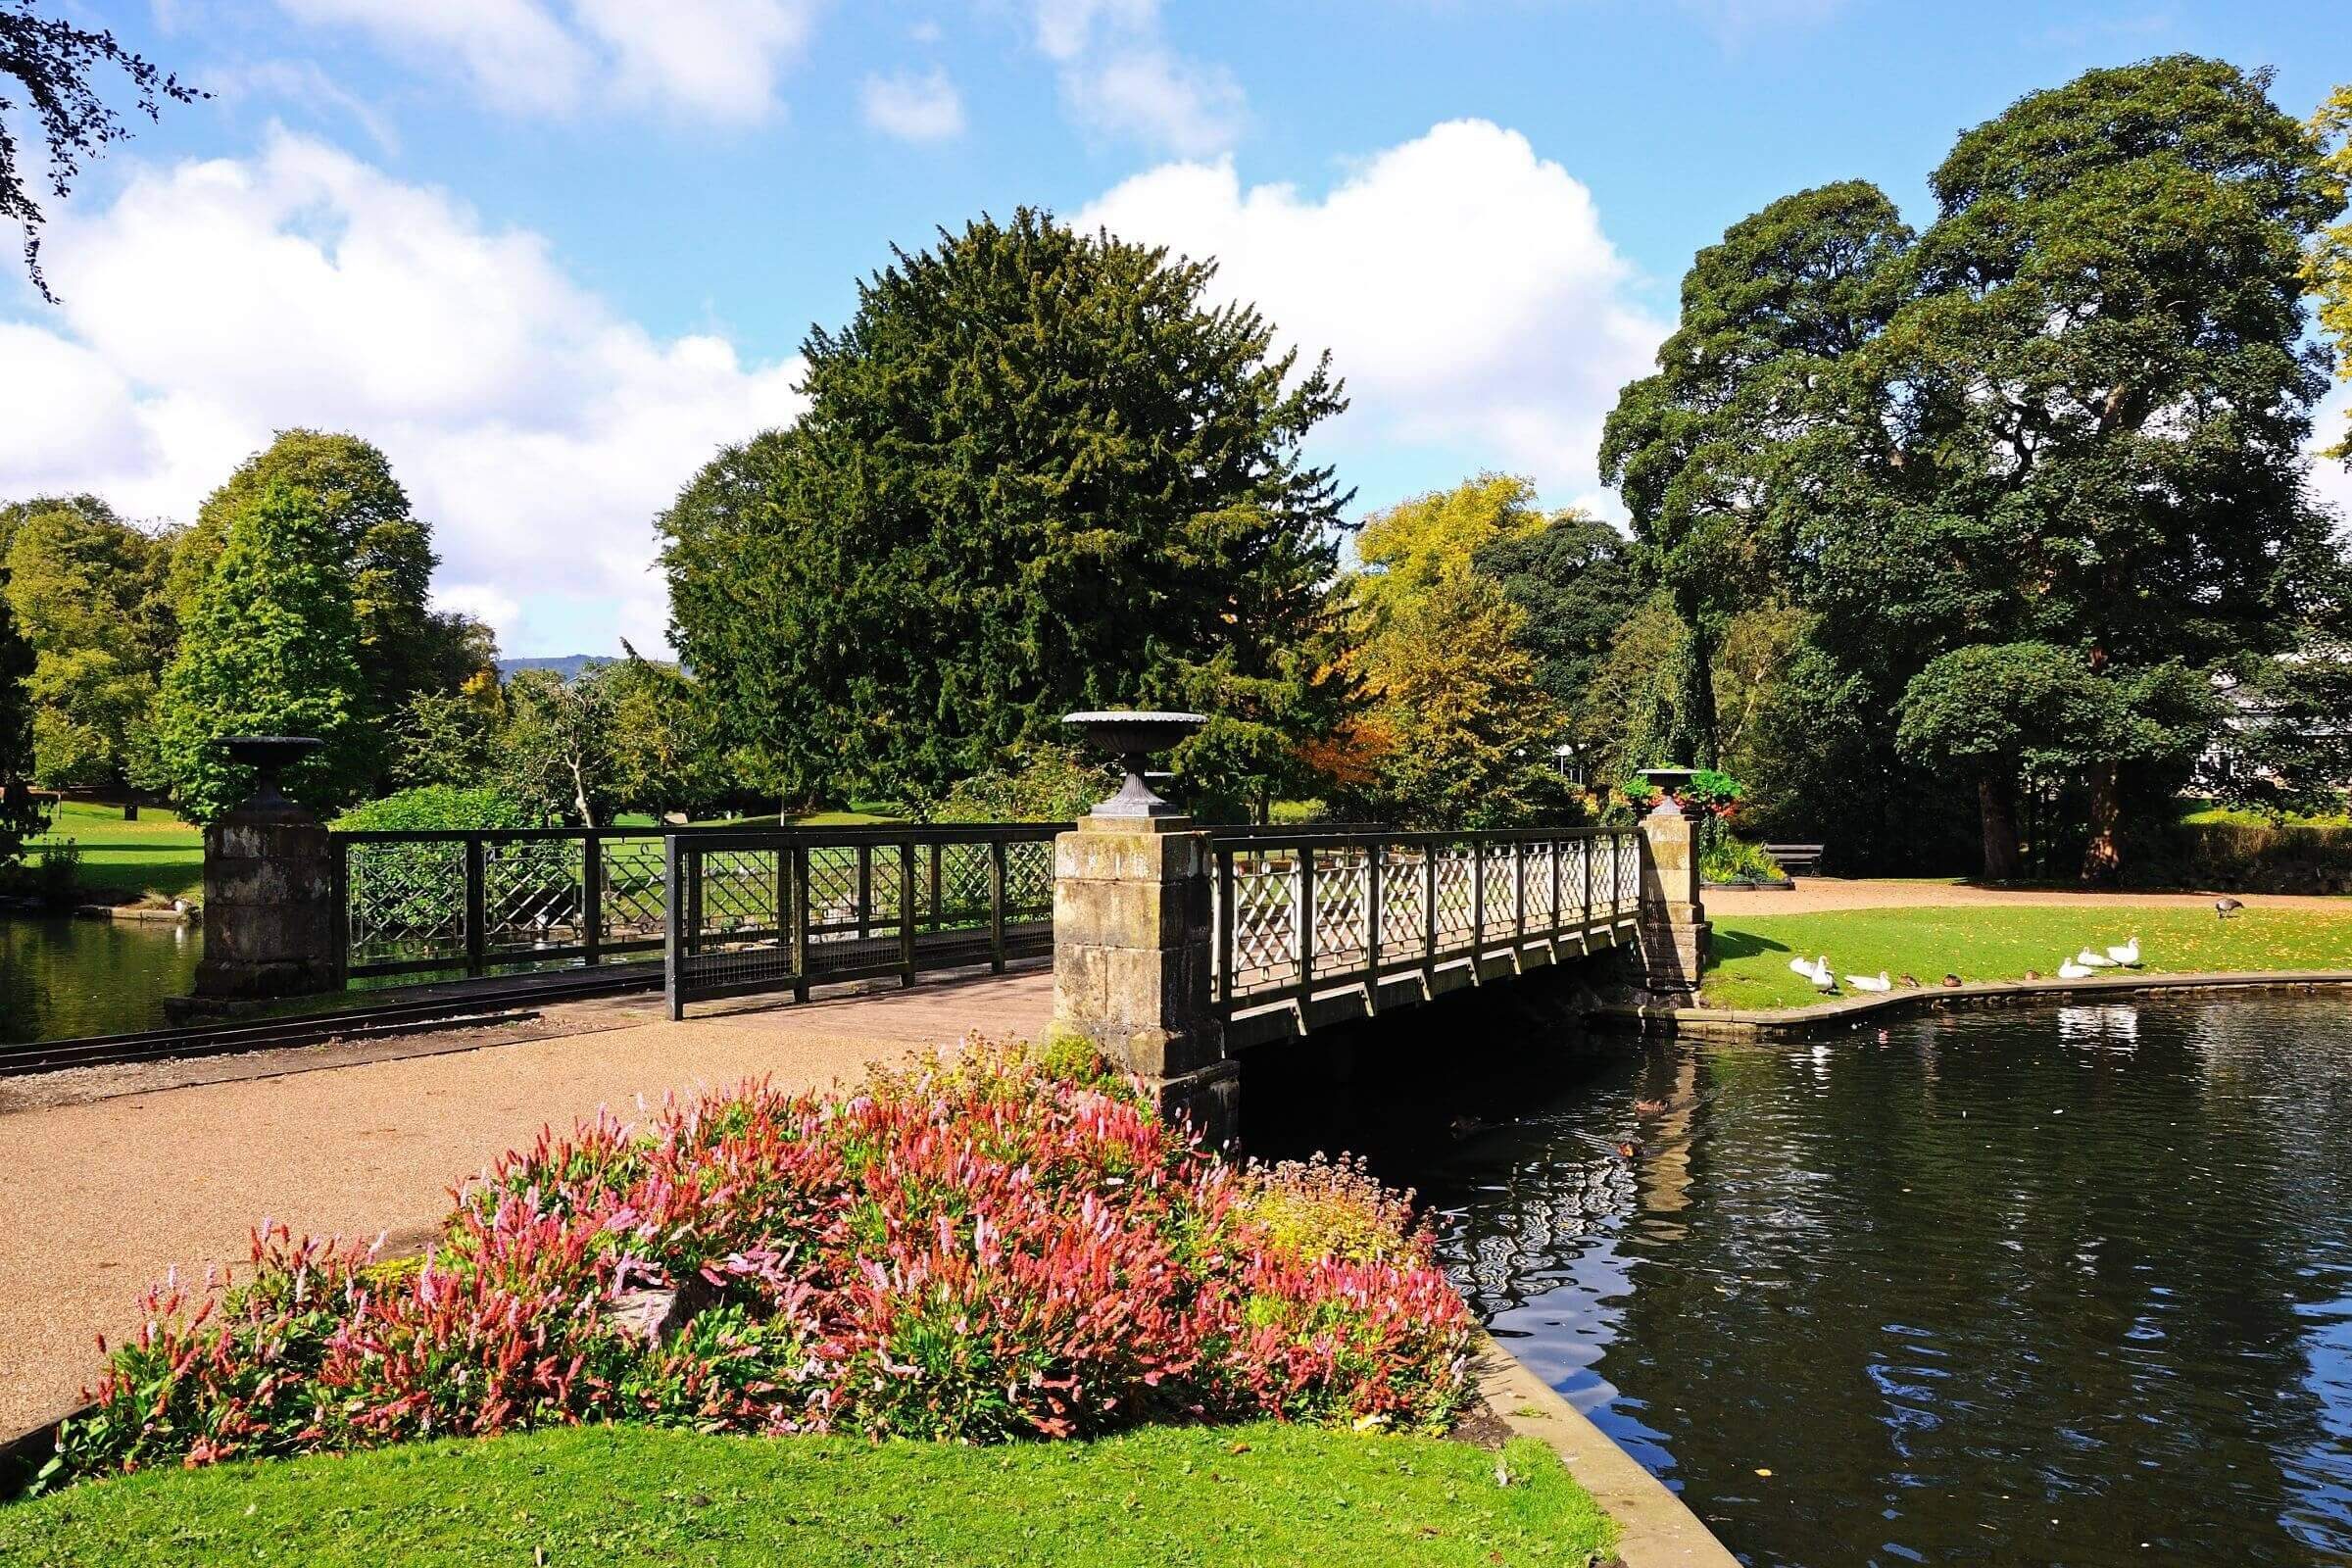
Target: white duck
[
  {"x": 1863, "y": 981},
  {"x": 2129, "y": 954},
  {"x": 2094, "y": 960},
  {"x": 1817, "y": 971},
  {"x": 2068, "y": 969}
]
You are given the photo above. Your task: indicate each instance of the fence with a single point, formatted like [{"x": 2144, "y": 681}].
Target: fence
[
  {"x": 414, "y": 902},
  {"x": 787, "y": 909},
  {"x": 1298, "y": 911}
]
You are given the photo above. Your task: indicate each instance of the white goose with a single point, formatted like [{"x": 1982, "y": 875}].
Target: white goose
[
  {"x": 1863, "y": 981},
  {"x": 2129, "y": 954},
  {"x": 2094, "y": 960},
  {"x": 2068, "y": 969}
]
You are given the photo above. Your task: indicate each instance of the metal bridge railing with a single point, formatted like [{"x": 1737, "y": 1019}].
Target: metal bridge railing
[
  {"x": 1297, "y": 912},
  {"x": 412, "y": 902},
  {"x": 772, "y": 909}
]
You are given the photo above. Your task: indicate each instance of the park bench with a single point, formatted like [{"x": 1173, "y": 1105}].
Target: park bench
[{"x": 1795, "y": 857}]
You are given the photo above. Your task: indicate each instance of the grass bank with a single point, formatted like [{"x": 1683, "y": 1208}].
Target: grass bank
[
  {"x": 1240, "y": 1495},
  {"x": 159, "y": 856},
  {"x": 1750, "y": 969}
]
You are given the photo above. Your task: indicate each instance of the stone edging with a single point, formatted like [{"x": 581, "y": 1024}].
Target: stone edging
[
  {"x": 1655, "y": 1529},
  {"x": 1728, "y": 1024}
]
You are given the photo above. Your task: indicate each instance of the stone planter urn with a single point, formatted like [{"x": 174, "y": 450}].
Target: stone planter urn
[{"x": 1131, "y": 739}]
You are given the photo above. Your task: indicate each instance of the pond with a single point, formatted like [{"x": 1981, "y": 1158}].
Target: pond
[
  {"x": 2066, "y": 1286},
  {"x": 61, "y": 977}
]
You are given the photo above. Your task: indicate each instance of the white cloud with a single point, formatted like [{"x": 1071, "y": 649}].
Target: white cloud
[
  {"x": 1464, "y": 287},
  {"x": 1120, "y": 78},
  {"x": 216, "y": 303},
  {"x": 516, "y": 55},
  {"x": 912, "y": 108},
  {"x": 713, "y": 59}
]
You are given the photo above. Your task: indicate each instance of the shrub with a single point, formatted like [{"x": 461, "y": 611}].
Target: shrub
[
  {"x": 1048, "y": 784},
  {"x": 979, "y": 1250},
  {"x": 1725, "y": 859},
  {"x": 60, "y": 876},
  {"x": 438, "y": 807}
]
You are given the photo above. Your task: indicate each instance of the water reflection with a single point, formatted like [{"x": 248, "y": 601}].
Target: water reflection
[
  {"x": 2070, "y": 1286},
  {"x": 60, "y": 978}
]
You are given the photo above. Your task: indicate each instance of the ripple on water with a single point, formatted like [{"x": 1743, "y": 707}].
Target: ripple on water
[{"x": 2024, "y": 1287}]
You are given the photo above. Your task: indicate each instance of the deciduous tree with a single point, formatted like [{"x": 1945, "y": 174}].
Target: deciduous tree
[{"x": 268, "y": 647}]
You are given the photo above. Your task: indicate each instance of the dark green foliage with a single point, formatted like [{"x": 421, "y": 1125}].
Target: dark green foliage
[
  {"x": 19, "y": 816},
  {"x": 1050, "y": 784},
  {"x": 405, "y": 646},
  {"x": 51, "y": 61},
  {"x": 1576, "y": 582},
  {"x": 268, "y": 648},
  {"x": 1039, "y": 472}
]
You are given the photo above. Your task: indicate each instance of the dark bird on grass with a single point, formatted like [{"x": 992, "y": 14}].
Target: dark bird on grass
[
  {"x": 1951, "y": 981},
  {"x": 1909, "y": 982},
  {"x": 2032, "y": 974},
  {"x": 2223, "y": 909}
]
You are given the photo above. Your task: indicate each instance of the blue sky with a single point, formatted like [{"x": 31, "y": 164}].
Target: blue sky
[{"x": 551, "y": 252}]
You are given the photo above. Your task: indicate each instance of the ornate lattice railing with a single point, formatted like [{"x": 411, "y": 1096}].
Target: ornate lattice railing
[
  {"x": 417, "y": 901},
  {"x": 776, "y": 909},
  {"x": 1297, "y": 912}
]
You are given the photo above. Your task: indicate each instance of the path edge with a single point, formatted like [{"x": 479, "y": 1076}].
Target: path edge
[
  {"x": 1655, "y": 1529},
  {"x": 1727, "y": 1023}
]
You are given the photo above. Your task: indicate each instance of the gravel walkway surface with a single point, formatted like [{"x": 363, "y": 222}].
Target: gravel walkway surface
[{"x": 112, "y": 1192}]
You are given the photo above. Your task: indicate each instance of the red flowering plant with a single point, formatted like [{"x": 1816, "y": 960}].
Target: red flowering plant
[
  {"x": 995, "y": 1247},
  {"x": 1707, "y": 792}
]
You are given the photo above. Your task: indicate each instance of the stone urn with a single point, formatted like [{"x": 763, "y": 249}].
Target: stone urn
[
  {"x": 1667, "y": 782},
  {"x": 1131, "y": 739},
  {"x": 269, "y": 755}
]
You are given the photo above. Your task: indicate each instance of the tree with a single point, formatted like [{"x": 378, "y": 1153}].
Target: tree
[
  {"x": 19, "y": 816},
  {"x": 1039, "y": 471},
  {"x": 2329, "y": 267},
  {"x": 87, "y": 589},
  {"x": 666, "y": 756},
  {"x": 1459, "y": 730},
  {"x": 404, "y": 646},
  {"x": 451, "y": 738},
  {"x": 268, "y": 647},
  {"x": 1576, "y": 582},
  {"x": 1750, "y": 428},
  {"x": 52, "y": 60},
  {"x": 559, "y": 744},
  {"x": 2100, "y": 389}
]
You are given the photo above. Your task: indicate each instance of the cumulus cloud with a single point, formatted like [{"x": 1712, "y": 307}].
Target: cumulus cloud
[
  {"x": 714, "y": 59},
  {"x": 1120, "y": 78},
  {"x": 217, "y": 302},
  {"x": 912, "y": 108},
  {"x": 1464, "y": 287}
]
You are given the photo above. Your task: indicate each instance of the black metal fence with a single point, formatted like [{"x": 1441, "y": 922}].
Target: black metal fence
[
  {"x": 773, "y": 909},
  {"x": 1295, "y": 911},
  {"x": 417, "y": 901}
]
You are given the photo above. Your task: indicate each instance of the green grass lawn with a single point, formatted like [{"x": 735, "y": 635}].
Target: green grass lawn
[
  {"x": 1169, "y": 1496},
  {"x": 121, "y": 862},
  {"x": 1750, "y": 969}
]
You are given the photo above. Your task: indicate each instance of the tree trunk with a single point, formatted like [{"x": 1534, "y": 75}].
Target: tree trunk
[
  {"x": 1997, "y": 813},
  {"x": 2102, "y": 860}
]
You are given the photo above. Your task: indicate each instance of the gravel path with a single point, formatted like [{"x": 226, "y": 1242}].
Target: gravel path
[
  {"x": 1814, "y": 893},
  {"x": 113, "y": 1192}
]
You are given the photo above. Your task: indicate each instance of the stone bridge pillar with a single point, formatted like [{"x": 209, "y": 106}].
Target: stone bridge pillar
[
  {"x": 1672, "y": 928},
  {"x": 270, "y": 925},
  {"x": 1132, "y": 961},
  {"x": 1132, "y": 931}
]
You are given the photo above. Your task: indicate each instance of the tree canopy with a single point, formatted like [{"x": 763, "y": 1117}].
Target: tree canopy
[
  {"x": 269, "y": 647},
  {"x": 1039, "y": 470},
  {"x": 19, "y": 818},
  {"x": 2330, "y": 268}
]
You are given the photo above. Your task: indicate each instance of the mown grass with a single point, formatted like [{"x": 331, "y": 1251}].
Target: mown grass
[
  {"x": 159, "y": 856},
  {"x": 1239, "y": 1495},
  {"x": 1750, "y": 968}
]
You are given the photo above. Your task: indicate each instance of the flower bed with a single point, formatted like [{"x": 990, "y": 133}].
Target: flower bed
[{"x": 979, "y": 1251}]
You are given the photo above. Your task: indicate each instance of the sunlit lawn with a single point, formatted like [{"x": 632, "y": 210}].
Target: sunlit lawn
[
  {"x": 158, "y": 855},
  {"x": 2001, "y": 942},
  {"x": 1167, "y": 1496}
]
